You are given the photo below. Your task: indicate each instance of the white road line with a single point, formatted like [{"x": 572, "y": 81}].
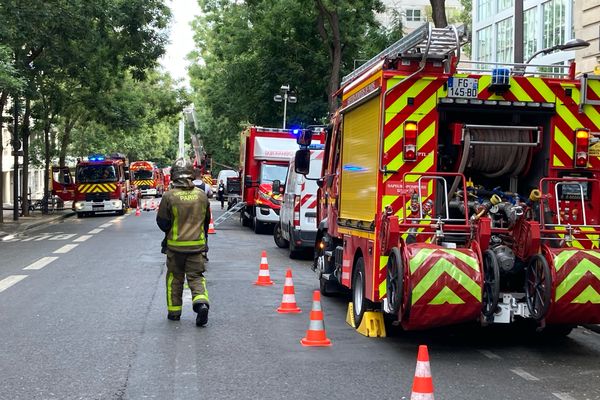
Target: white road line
[
  {"x": 8, "y": 238},
  {"x": 523, "y": 374},
  {"x": 64, "y": 236},
  {"x": 41, "y": 263},
  {"x": 489, "y": 354},
  {"x": 82, "y": 238},
  {"x": 564, "y": 396},
  {"x": 105, "y": 225},
  {"x": 116, "y": 220},
  {"x": 10, "y": 280},
  {"x": 94, "y": 231},
  {"x": 66, "y": 248}
]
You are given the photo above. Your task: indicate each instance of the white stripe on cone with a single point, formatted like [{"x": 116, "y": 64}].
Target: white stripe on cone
[
  {"x": 263, "y": 260},
  {"x": 421, "y": 396},
  {"x": 423, "y": 370},
  {"x": 288, "y": 282},
  {"x": 263, "y": 272},
  {"x": 288, "y": 298}
]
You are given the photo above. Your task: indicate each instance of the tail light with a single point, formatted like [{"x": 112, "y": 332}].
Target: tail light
[
  {"x": 296, "y": 221},
  {"x": 410, "y": 141},
  {"x": 582, "y": 147}
]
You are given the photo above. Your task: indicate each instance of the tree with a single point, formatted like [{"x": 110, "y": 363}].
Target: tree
[{"x": 438, "y": 13}]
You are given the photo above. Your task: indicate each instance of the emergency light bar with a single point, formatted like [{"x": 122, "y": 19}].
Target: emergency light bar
[{"x": 96, "y": 157}]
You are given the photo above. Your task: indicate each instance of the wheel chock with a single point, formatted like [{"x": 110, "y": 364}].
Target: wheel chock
[
  {"x": 350, "y": 315},
  {"x": 372, "y": 324}
]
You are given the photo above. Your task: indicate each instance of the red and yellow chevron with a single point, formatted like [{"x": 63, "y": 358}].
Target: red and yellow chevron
[
  {"x": 97, "y": 187},
  {"x": 576, "y": 286},
  {"x": 142, "y": 182},
  {"x": 445, "y": 286}
]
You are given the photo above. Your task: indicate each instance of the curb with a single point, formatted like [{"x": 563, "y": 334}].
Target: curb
[{"x": 593, "y": 328}]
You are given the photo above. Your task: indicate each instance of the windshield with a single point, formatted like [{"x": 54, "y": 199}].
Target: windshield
[
  {"x": 96, "y": 173},
  {"x": 270, "y": 173},
  {"x": 142, "y": 174}
]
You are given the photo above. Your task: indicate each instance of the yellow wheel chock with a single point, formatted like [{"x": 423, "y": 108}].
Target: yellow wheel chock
[{"x": 372, "y": 324}]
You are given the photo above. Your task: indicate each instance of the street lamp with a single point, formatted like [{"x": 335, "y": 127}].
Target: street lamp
[
  {"x": 285, "y": 98},
  {"x": 573, "y": 44}
]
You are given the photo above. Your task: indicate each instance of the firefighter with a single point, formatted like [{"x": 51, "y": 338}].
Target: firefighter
[{"x": 184, "y": 215}]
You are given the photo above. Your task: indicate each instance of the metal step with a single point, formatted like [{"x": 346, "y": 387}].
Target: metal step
[{"x": 229, "y": 213}]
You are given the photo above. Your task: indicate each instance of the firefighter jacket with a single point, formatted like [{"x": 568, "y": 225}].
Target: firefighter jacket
[{"x": 184, "y": 215}]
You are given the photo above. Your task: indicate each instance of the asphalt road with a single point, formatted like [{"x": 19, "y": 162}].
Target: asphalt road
[{"x": 83, "y": 316}]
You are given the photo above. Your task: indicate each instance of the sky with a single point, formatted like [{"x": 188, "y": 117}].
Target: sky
[{"x": 181, "y": 38}]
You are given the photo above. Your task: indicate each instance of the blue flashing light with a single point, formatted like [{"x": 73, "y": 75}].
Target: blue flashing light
[
  {"x": 296, "y": 131},
  {"x": 354, "y": 168},
  {"x": 96, "y": 157},
  {"x": 316, "y": 146}
]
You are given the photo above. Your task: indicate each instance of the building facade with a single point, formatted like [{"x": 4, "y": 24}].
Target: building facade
[
  {"x": 546, "y": 23},
  {"x": 413, "y": 13},
  {"x": 587, "y": 27}
]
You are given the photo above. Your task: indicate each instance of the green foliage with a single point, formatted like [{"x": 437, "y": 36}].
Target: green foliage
[
  {"x": 466, "y": 17},
  {"x": 10, "y": 80}
]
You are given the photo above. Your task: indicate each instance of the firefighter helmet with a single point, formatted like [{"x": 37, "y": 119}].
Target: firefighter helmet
[{"x": 182, "y": 169}]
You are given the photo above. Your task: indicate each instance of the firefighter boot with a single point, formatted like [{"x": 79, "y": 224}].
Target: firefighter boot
[
  {"x": 174, "y": 317},
  {"x": 202, "y": 310}
]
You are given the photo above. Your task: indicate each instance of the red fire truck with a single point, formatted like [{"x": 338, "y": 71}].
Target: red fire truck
[
  {"x": 147, "y": 178},
  {"x": 450, "y": 195},
  {"x": 101, "y": 185},
  {"x": 265, "y": 155}
]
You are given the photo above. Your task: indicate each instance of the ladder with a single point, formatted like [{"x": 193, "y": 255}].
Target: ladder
[
  {"x": 227, "y": 214},
  {"x": 425, "y": 41}
]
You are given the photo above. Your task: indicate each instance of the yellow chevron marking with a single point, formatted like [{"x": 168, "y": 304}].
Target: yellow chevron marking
[
  {"x": 518, "y": 91},
  {"x": 593, "y": 113},
  {"x": 422, "y": 140},
  {"x": 563, "y": 142},
  {"x": 446, "y": 296},
  {"x": 556, "y": 162},
  {"x": 543, "y": 89},
  {"x": 575, "y": 276},
  {"x": 588, "y": 295},
  {"x": 484, "y": 82},
  {"x": 567, "y": 116},
  {"x": 594, "y": 86},
  {"x": 575, "y": 94},
  {"x": 413, "y": 91}
]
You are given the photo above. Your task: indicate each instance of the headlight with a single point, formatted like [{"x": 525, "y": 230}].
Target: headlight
[
  {"x": 79, "y": 205},
  {"x": 116, "y": 203}
]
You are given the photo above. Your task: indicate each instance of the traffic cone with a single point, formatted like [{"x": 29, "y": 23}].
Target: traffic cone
[
  {"x": 152, "y": 205},
  {"x": 264, "y": 279},
  {"x": 422, "y": 385},
  {"x": 138, "y": 212},
  {"x": 288, "y": 302},
  {"x": 211, "y": 225},
  {"x": 316, "y": 335}
]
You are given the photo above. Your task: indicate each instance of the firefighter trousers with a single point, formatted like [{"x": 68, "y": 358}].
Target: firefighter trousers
[{"x": 179, "y": 267}]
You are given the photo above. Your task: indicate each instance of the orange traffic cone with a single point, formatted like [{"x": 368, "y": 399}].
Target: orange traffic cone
[
  {"x": 211, "y": 225},
  {"x": 264, "y": 279},
  {"x": 316, "y": 335},
  {"x": 422, "y": 385},
  {"x": 138, "y": 212},
  {"x": 152, "y": 206},
  {"x": 288, "y": 302}
]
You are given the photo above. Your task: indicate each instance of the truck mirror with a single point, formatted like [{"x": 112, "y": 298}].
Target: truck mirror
[
  {"x": 276, "y": 186},
  {"x": 320, "y": 182},
  {"x": 304, "y": 137},
  {"x": 302, "y": 161},
  {"x": 248, "y": 181}
]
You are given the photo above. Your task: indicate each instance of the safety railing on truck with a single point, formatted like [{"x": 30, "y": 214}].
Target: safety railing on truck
[
  {"x": 575, "y": 191},
  {"x": 517, "y": 69}
]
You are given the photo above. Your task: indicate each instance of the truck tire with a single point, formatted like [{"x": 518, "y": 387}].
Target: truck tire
[
  {"x": 245, "y": 221},
  {"x": 80, "y": 215},
  {"x": 394, "y": 281},
  {"x": 360, "y": 302},
  {"x": 280, "y": 241},
  {"x": 294, "y": 252},
  {"x": 258, "y": 226}
]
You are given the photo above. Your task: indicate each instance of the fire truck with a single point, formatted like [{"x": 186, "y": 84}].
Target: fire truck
[
  {"x": 147, "y": 178},
  {"x": 265, "y": 155},
  {"x": 453, "y": 194},
  {"x": 101, "y": 184}
]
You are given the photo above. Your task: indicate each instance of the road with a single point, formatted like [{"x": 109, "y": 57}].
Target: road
[{"x": 83, "y": 316}]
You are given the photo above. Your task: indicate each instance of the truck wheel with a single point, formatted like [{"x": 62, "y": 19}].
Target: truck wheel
[
  {"x": 257, "y": 225},
  {"x": 394, "y": 281},
  {"x": 80, "y": 215},
  {"x": 294, "y": 251},
  {"x": 245, "y": 221},
  {"x": 361, "y": 304},
  {"x": 491, "y": 284},
  {"x": 278, "y": 237},
  {"x": 538, "y": 286}
]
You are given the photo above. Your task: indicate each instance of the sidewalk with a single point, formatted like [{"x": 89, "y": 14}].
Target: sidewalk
[{"x": 35, "y": 219}]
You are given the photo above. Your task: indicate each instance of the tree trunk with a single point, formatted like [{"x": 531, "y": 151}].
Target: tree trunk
[
  {"x": 332, "y": 41},
  {"x": 65, "y": 140},
  {"x": 25, "y": 133},
  {"x": 47, "y": 126},
  {"x": 3, "y": 98},
  {"x": 438, "y": 12}
]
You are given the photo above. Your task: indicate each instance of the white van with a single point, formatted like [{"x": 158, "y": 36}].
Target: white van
[
  {"x": 297, "y": 227},
  {"x": 224, "y": 174}
]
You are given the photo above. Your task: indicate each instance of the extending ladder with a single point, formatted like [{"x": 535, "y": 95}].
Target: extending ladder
[
  {"x": 425, "y": 41},
  {"x": 227, "y": 214}
]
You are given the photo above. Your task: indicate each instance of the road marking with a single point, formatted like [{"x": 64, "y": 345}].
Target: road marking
[
  {"x": 37, "y": 238},
  {"x": 64, "y": 236},
  {"x": 106, "y": 225},
  {"x": 564, "y": 396},
  {"x": 41, "y": 263},
  {"x": 525, "y": 375},
  {"x": 9, "y": 238},
  {"x": 10, "y": 280},
  {"x": 82, "y": 238},
  {"x": 66, "y": 248},
  {"x": 489, "y": 354},
  {"x": 116, "y": 220},
  {"x": 94, "y": 231}
]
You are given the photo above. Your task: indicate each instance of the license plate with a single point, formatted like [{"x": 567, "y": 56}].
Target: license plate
[
  {"x": 462, "y": 87},
  {"x": 311, "y": 220},
  {"x": 97, "y": 207}
]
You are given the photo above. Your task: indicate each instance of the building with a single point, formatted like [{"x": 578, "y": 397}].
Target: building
[
  {"x": 413, "y": 13},
  {"x": 546, "y": 23},
  {"x": 587, "y": 27}
]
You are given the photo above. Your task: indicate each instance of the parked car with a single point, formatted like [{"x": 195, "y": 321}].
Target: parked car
[{"x": 297, "y": 227}]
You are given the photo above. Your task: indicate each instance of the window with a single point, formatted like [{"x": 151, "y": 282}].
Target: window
[
  {"x": 484, "y": 9},
  {"x": 504, "y": 45},
  {"x": 504, "y": 4},
  {"x": 484, "y": 44},
  {"x": 554, "y": 22},
  {"x": 413, "y": 15},
  {"x": 529, "y": 32}
]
